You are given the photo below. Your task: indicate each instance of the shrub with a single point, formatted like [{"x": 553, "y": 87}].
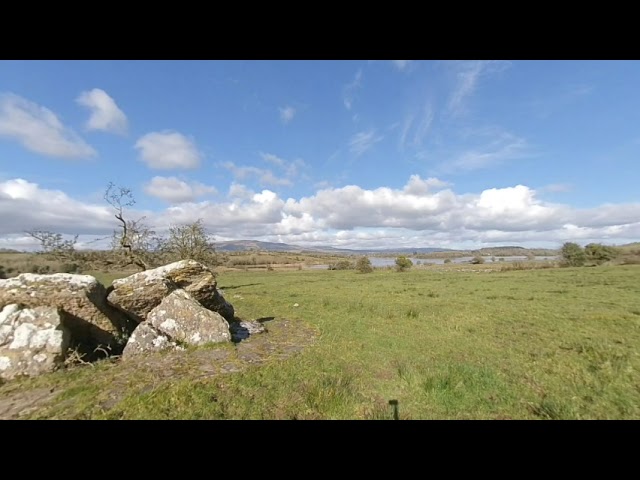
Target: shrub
[
  {"x": 573, "y": 255},
  {"x": 403, "y": 263},
  {"x": 477, "y": 260},
  {"x": 599, "y": 254},
  {"x": 70, "y": 268},
  {"x": 447, "y": 260},
  {"x": 363, "y": 265},
  {"x": 341, "y": 265}
]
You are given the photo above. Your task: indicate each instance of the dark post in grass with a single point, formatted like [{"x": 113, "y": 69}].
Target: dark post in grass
[{"x": 394, "y": 404}]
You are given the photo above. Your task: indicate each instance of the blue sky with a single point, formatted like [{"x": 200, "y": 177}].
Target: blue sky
[{"x": 355, "y": 154}]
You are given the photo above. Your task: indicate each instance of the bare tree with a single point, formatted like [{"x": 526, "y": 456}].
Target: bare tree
[
  {"x": 54, "y": 244},
  {"x": 135, "y": 238}
]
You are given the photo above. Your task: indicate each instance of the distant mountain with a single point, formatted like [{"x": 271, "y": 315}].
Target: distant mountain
[{"x": 248, "y": 245}]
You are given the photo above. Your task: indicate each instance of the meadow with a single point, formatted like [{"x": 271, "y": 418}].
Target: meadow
[{"x": 444, "y": 343}]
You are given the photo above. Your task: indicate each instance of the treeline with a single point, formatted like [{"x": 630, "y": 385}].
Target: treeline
[{"x": 573, "y": 255}]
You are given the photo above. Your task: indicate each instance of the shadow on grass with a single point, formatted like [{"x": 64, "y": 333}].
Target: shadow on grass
[{"x": 231, "y": 287}]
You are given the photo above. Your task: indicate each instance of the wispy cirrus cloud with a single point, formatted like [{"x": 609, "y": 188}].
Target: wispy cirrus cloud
[
  {"x": 501, "y": 148},
  {"x": 263, "y": 176},
  {"x": 468, "y": 75},
  {"x": 39, "y": 129},
  {"x": 287, "y": 113},
  {"x": 363, "y": 141},
  {"x": 349, "y": 90},
  {"x": 105, "y": 113},
  {"x": 557, "y": 188},
  {"x": 402, "y": 65}
]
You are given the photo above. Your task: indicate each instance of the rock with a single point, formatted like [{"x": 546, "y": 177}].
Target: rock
[
  {"x": 81, "y": 300},
  {"x": 140, "y": 293},
  {"x": 244, "y": 329},
  {"x": 181, "y": 318},
  {"x": 32, "y": 341},
  {"x": 146, "y": 339}
]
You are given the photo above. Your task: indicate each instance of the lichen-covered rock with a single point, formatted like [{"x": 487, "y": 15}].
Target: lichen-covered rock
[
  {"x": 141, "y": 292},
  {"x": 244, "y": 329},
  {"x": 32, "y": 341},
  {"x": 81, "y": 300},
  {"x": 145, "y": 339},
  {"x": 181, "y": 318}
]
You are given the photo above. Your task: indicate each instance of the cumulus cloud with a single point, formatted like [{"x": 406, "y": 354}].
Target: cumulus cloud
[
  {"x": 287, "y": 113},
  {"x": 39, "y": 129},
  {"x": 105, "y": 114},
  {"x": 168, "y": 150},
  {"x": 174, "y": 190},
  {"x": 423, "y": 212},
  {"x": 25, "y": 206},
  {"x": 363, "y": 141}
]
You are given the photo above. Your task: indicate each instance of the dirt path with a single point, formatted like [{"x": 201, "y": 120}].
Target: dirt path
[{"x": 282, "y": 339}]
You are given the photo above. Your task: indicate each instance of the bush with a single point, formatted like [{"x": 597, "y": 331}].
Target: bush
[
  {"x": 599, "y": 254},
  {"x": 403, "y": 263},
  {"x": 2, "y": 272},
  {"x": 341, "y": 265},
  {"x": 363, "y": 265},
  {"x": 41, "y": 269},
  {"x": 70, "y": 268},
  {"x": 573, "y": 255},
  {"x": 447, "y": 260},
  {"x": 477, "y": 260}
]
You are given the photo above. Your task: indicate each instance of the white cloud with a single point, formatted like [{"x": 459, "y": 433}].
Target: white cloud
[
  {"x": 38, "y": 129},
  {"x": 264, "y": 177},
  {"x": 273, "y": 159},
  {"x": 468, "y": 74},
  {"x": 423, "y": 212},
  {"x": 349, "y": 90},
  {"x": 105, "y": 114},
  {"x": 287, "y": 113},
  {"x": 401, "y": 65},
  {"x": 363, "y": 141},
  {"x": 168, "y": 150},
  {"x": 418, "y": 186},
  {"x": 24, "y": 206},
  {"x": 174, "y": 190}
]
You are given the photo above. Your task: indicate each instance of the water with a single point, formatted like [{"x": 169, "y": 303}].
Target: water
[
  {"x": 381, "y": 262},
  {"x": 391, "y": 261}
]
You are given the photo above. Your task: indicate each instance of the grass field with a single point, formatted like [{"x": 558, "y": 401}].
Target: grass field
[{"x": 446, "y": 344}]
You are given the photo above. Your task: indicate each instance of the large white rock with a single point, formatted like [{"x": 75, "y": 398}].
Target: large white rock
[
  {"x": 145, "y": 339},
  {"x": 32, "y": 340},
  {"x": 183, "y": 319},
  {"x": 178, "y": 321},
  {"x": 81, "y": 300}
]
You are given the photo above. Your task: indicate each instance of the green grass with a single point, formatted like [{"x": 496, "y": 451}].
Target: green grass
[{"x": 530, "y": 344}]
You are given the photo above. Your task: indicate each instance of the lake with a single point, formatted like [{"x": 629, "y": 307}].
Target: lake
[{"x": 381, "y": 262}]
